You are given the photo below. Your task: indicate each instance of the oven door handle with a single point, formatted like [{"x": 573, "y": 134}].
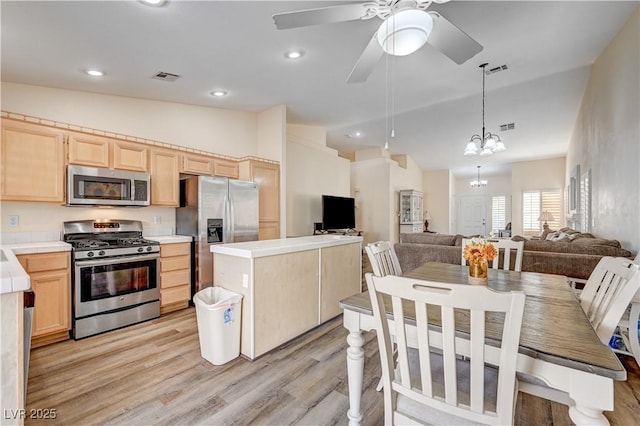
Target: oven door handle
[{"x": 112, "y": 260}]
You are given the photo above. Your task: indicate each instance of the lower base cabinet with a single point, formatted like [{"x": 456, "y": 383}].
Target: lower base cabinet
[
  {"x": 51, "y": 282},
  {"x": 285, "y": 295},
  {"x": 175, "y": 276}
]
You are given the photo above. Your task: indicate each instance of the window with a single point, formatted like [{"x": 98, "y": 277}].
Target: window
[
  {"x": 534, "y": 203},
  {"x": 498, "y": 212}
]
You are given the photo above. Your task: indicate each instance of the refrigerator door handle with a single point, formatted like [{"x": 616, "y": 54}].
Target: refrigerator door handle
[{"x": 229, "y": 225}]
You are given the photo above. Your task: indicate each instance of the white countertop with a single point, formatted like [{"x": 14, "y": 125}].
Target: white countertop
[
  {"x": 252, "y": 249},
  {"x": 168, "y": 239},
  {"x": 12, "y": 276}
]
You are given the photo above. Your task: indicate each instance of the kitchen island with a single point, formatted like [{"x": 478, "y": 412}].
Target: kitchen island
[{"x": 289, "y": 286}]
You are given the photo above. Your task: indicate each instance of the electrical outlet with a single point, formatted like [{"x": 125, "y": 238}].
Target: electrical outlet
[
  {"x": 14, "y": 220},
  {"x": 245, "y": 280},
  {"x": 157, "y": 220}
]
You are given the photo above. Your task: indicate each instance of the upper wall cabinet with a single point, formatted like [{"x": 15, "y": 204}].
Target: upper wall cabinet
[
  {"x": 32, "y": 164},
  {"x": 90, "y": 150},
  {"x": 165, "y": 178},
  {"x": 196, "y": 164},
  {"x": 227, "y": 168},
  {"x": 267, "y": 176}
]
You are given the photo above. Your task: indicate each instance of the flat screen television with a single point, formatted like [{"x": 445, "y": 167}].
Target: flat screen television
[{"x": 338, "y": 212}]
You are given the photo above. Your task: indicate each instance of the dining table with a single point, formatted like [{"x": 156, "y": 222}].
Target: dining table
[{"x": 560, "y": 356}]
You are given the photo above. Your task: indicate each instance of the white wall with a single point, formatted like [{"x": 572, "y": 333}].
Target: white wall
[
  {"x": 405, "y": 175},
  {"x": 606, "y": 138},
  {"x": 530, "y": 175},
  {"x": 370, "y": 186},
  {"x": 272, "y": 144},
  {"x": 215, "y": 130},
  {"x": 311, "y": 172},
  {"x": 375, "y": 181},
  {"x": 435, "y": 184}
]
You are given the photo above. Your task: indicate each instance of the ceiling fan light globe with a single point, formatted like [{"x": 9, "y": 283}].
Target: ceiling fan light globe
[{"x": 405, "y": 32}]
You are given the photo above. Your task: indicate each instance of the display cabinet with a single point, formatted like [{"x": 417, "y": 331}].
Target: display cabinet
[{"x": 410, "y": 211}]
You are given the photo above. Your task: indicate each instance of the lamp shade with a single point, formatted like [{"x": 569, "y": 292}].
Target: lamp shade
[
  {"x": 546, "y": 216},
  {"x": 405, "y": 32},
  {"x": 427, "y": 215}
]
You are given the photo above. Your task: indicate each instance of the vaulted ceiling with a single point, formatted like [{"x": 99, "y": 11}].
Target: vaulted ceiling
[{"x": 432, "y": 103}]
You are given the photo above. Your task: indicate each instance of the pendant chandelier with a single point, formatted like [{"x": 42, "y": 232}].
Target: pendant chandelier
[
  {"x": 478, "y": 183},
  {"x": 489, "y": 142}
]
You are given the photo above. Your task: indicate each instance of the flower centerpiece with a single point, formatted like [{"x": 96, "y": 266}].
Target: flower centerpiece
[{"x": 478, "y": 253}]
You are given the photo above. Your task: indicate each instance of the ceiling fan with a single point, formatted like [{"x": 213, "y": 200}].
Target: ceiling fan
[{"x": 405, "y": 28}]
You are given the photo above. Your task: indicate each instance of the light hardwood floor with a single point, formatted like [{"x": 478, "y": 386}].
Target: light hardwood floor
[{"x": 152, "y": 373}]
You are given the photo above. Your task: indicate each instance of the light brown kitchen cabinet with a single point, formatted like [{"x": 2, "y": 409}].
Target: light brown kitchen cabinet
[
  {"x": 267, "y": 176},
  {"x": 97, "y": 151},
  {"x": 130, "y": 156},
  {"x": 226, "y": 168},
  {"x": 50, "y": 281},
  {"x": 165, "y": 176},
  {"x": 32, "y": 163},
  {"x": 196, "y": 164},
  {"x": 89, "y": 150},
  {"x": 175, "y": 276}
]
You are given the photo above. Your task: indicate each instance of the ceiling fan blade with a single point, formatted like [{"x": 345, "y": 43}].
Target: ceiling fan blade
[
  {"x": 323, "y": 15},
  {"x": 366, "y": 62},
  {"x": 451, "y": 40}
]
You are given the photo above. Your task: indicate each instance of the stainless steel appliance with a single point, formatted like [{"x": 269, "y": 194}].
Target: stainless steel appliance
[
  {"x": 105, "y": 187},
  {"x": 215, "y": 210},
  {"x": 115, "y": 275}
]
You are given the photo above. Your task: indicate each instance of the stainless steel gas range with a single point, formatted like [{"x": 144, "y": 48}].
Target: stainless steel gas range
[{"x": 115, "y": 275}]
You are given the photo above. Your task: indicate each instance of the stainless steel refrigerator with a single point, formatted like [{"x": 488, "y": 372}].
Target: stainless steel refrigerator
[{"x": 215, "y": 210}]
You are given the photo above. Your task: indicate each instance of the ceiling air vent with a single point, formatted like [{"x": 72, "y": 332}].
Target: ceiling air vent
[
  {"x": 509, "y": 126},
  {"x": 165, "y": 76},
  {"x": 496, "y": 69}
]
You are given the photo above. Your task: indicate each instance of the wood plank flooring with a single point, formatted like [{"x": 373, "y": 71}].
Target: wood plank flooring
[{"x": 152, "y": 373}]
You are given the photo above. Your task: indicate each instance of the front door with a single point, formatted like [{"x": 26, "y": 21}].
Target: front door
[{"x": 473, "y": 215}]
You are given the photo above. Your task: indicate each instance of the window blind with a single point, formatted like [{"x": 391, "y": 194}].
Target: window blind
[
  {"x": 498, "y": 212},
  {"x": 534, "y": 203}
]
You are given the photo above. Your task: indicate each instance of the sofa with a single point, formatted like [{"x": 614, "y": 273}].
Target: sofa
[{"x": 565, "y": 252}]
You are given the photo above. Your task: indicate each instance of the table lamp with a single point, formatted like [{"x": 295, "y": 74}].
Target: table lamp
[
  {"x": 545, "y": 215},
  {"x": 427, "y": 218}
]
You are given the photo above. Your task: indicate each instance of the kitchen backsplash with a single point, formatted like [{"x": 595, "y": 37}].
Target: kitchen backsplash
[{"x": 40, "y": 222}]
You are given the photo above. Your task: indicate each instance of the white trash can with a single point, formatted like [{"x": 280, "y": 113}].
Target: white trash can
[{"x": 218, "y": 314}]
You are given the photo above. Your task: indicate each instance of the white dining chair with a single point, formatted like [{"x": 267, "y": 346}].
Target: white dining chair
[
  {"x": 447, "y": 378},
  {"x": 383, "y": 258},
  {"x": 505, "y": 248},
  {"x": 608, "y": 293},
  {"x": 629, "y": 325}
]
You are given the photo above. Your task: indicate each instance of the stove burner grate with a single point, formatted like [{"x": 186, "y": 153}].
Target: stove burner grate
[{"x": 90, "y": 244}]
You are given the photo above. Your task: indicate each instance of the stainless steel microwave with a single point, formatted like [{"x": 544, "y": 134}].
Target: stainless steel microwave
[{"x": 93, "y": 186}]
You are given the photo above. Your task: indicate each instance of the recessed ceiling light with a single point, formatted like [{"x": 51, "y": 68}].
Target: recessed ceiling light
[
  {"x": 294, "y": 54},
  {"x": 219, "y": 93},
  {"x": 154, "y": 2},
  {"x": 95, "y": 73},
  {"x": 356, "y": 134}
]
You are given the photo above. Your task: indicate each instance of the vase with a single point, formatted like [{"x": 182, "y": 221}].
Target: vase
[{"x": 478, "y": 272}]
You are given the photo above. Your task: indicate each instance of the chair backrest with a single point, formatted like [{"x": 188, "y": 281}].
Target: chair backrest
[
  {"x": 505, "y": 248},
  {"x": 419, "y": 381},
  {"x": 383, "y": 258},
  {"x": 608, "y": 292}
]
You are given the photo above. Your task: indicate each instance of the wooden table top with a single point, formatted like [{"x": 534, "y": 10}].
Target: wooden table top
[{"x": 554, "y": 327}]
